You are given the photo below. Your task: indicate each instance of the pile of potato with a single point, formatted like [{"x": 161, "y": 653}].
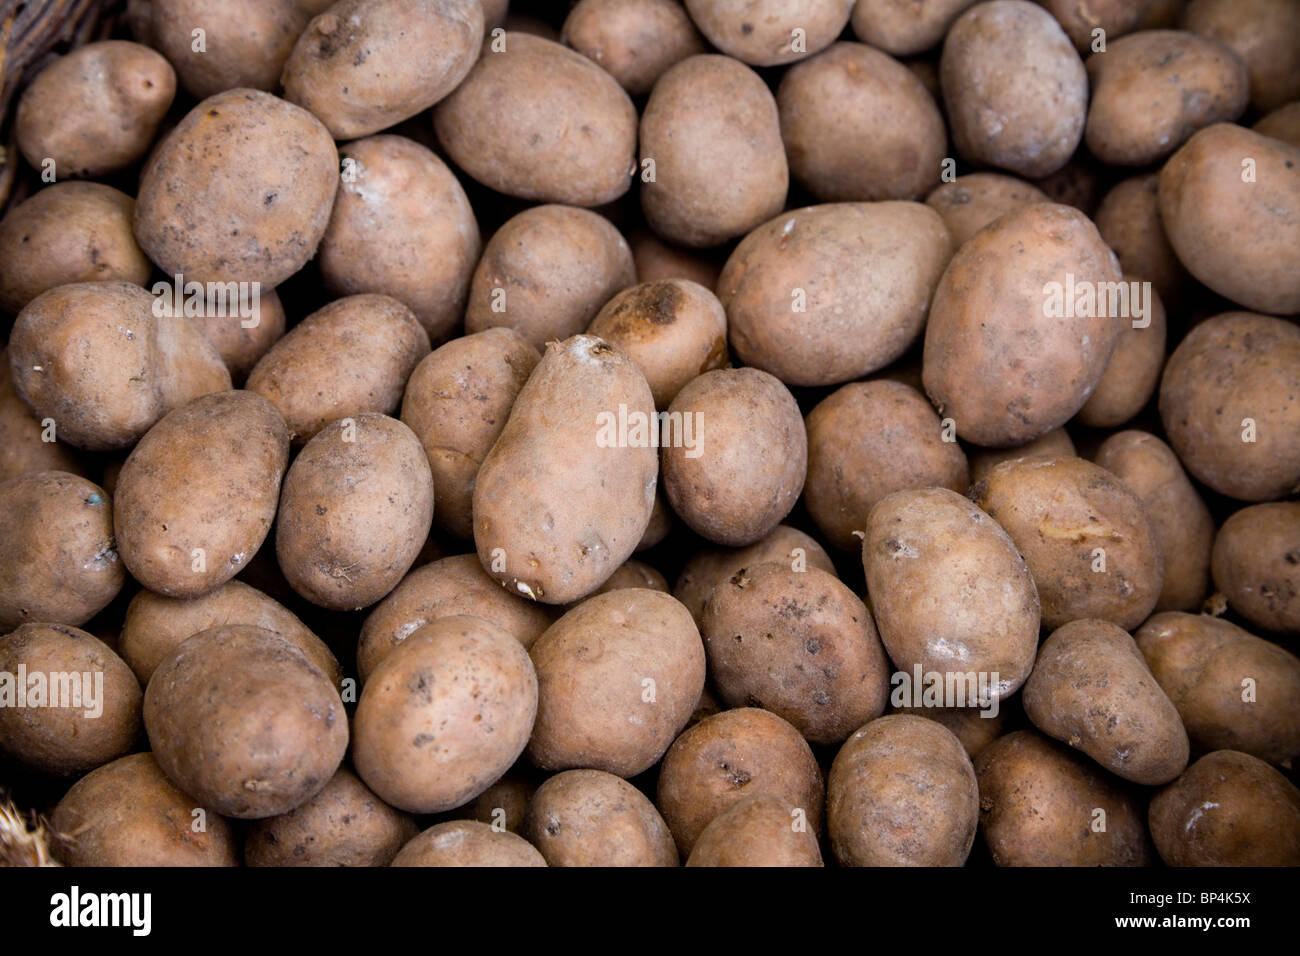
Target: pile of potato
[{"x": 811, "y": 308}]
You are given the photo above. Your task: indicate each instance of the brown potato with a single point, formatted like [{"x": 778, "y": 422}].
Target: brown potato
[
  {"x": 974, "y": 728},
  {"x": 969, "y": 203},
  {"x": 1133, "y": 371},
  {"x": 1129, "y": 221},
  {"x": 1282, "y": 123},
  {"x": 634, "y": 574},
  {"x": 633, "y": 40},
  {"x": 23, "y": 448},
  {"x": 1082, "y": 18},
  {"x": 1256, "y": 565},
  {"x": 756, "y": 830},
  {"x": 905, "y": 27},
  {"x": 468, "y": 843},
  {"x": 1053, "y": 444},
  {"x": 1264, "y": 33},
  {"x": 241, "y": 341},
  {"x": 769, "y": 32},
  {"x": 505, "y": 803},
  {"x": 656, "y": 259},
  {"x": 593, "y": 818},
  {"x": 661, "y": 522}
]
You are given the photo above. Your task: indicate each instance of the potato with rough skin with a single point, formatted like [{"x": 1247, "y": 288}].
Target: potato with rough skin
[
  {"x": 1129, "y": 221},
  {"x": 539, "y": 121},
  {"x": 1264, "y": 33},
  {"x": 1230, "y": 403},
  {"x": 770, "y": 32},
  {"x": 729, "y": 756},
  {"x": 96, "y": 358},
  {"x": 23, "y": 448},
  {"x": 712, "y": 129},
  {"x": 949, "y": 591},
  {"x": 1133, "y": 371},
  {"x": 593, "y": 818},
  {"x": 59, "y": 563},
  {"x": 1039, "y": 803},
  {"x": 618, "y": 678},
  {"x": 1256, "y": 565},
  {"x": 468, "y": 843},
  {"x": 1082, "y": 18},
  {"x": 757, "y": 830},
  {"x": 355, "y": 478},
  {"x": 971, "y": 202},
  {"x": 445, "y": 714},
  {"x": 1228, "y": 809},
  {"x": 905, "y": 27},
  {"x": 402, "y": 226},
  {"x": 633, "y": 40},
  {"x": 126, "y": 813},
  {"x": 1282, "y": 123},
  {"x": 1053, "y": 444}
]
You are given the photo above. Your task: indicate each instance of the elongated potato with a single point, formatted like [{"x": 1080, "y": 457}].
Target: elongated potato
[
  {"x": 757, "y": 830},
  {"x": 1129, "y": 220},
  {"x": 1133, "y": 371},
  {"x": 1256, "y": 565}
]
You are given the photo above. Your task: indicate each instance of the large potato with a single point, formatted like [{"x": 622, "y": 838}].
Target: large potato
[
  {"x": 757, "y": 830},
  {"x": 1256, "y": 565},
  {"x": 969, "y": 203},
  {"x": 633, "y": 40},
  {"x": 769, "y": 32},
  {"x": 593, "y": 818}
]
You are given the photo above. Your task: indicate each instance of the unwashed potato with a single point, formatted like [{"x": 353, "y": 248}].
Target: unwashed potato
[
  {"x": 58, "y": 563},
  {"x": 1233, "y": 690},
  {"x": 242, "y": 339},
  {"x": 593, "y": 818},
  {"x": 1053, "y": 444},
  {"x": 539, "y": 121},
  {"x": 78, "y": 707},
  {"x": 618, "y": 678},
  {"x": 1081, "y": 19},
  {"x": 1264, "y": 33},
  {"x": 902, "y": 792},
  {"x": 769, "y": 32},
  {"x": 1133, "y": 371},
  {"x": 905, "y": 27},
  {"x": 547, "y": 272},
  {"x": 974, "y": 727},
  {"x": 1228, "y": 809},
  {"x": 468, "y": 843},
  {"x": 712, "y": 130},
  {"x": 97, "y": 359},
  {"x": 23, "y": 447},
  {"x": 656, "y": 259},
  {"x": 635, "y": 574},
  {"x": 633, "y": 40},
  {"x": 1282, "y": 123},
  {"x": 756, "y": 830},
  {"x": 1129, "y": 221},
  {"x": 969, "y": 203},
  {"x": 126, "y": 813},
  {"x": 1256, "y": 565},
  {"x": 826, "y": 294}
]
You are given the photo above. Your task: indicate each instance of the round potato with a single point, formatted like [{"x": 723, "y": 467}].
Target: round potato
[
  {"x": 633, "y": 40},
  {"x": 770, "y": 32},
  {"x": 756, "y": 830},
  {"x": 1129, "y": 221},
  {"x": 23, "y": 445},
  {"x": 593, "y": 818},
  {"x": 905, "y": 27},
  {"x": 468, "y": 843},
  {"x": 971, "y": 202},
  {"x": 1256, "y": 565},
  {"x": 1133, "y": 371},
  {"x": 1264, "y": 33}
]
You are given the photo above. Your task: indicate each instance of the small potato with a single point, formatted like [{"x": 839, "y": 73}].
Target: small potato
[
  {"x": 868, "y": 440},
  {"x": 757, "y": 830},
  {"x": 68, "y": 232},
  {"x": 661, "y": 523},
  {"x": 468, "y": 843},
  {"x": 1129, "y": 221},
  {"x": 95, "y": 110},
  {"x": 1053, "y": 444},
  {"x": 1256, "y": 565},
  {"x": 23, "y": 448},
  {"x": 1081, "y": 18},
  {"x": 902, "y": 792},
  {"x": 738, "y": 462},
  {"x": 1039, "y": 803},
  {"x": 126, "y": 813},
  {"x": 444, "y": 715},
  {"x": 350, "y": 358},
  {"x": 1264, "y": 33},
  {"x": 633, "y": 40},
  {"x": 1282, "y": 123},
  {"x": 198, "y": 495},
  {"x": 547, "y": 272},
  {"x": 58, "y": 562},
  {"x": 356, "y": 508},
  {"x": 975, "y": 728},
  {"x": 241, "y": 719},
  {"x": 456, "y": 402},
  {"x": 763, "y": 32},
  {"x": 68, "y": 704},
  {"x": 949, "y": 590},
  {"x": 1179, "y": 518},
  {"x": 505, "y": 803},
  {"x": 593, "y": 818},
  {"x": 1091, "y": 688},
  {"x": 830, "y": 293},
  {"x": 1133, "y": 371},
  {"x": 1015, "y": 89},
  {"x": 971, "y": 202},
  {"x": 1078, "y": 183},
  {"x": 443, "y": 588},
  {"x": 240, "y": 190},
  {"x": 1230, "y": 403},
  {"x": 538, "y": 121},
  {"x": 730, "y": 756},
  {"x": 656, "y": 259},
  {"x": 95, "y": 358},
  {"x": 618, "y": 677},
  {"x": 634, "y": 574},
  {"x": 797, "y": 643},
  {"x": 402, "y": 226},
  {"x": 905, "y": 27},
  {"x": 242, "y": 342},
  {"x": 1228, "y": 809},
  {"x": 1086, "y": 538},
  {"x": 1234, "y": 691},
  {"x": 712, "y": 130},
  {"x": 673, "y": 329}
]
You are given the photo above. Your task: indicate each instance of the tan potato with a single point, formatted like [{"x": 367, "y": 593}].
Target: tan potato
[
  {"x": 905, "y": 27},
  {"x": 634, "y": 574},
  {"x": 712, "y": 130},
  {"x": 1053, "y": 444},
  {"x": 633, "y": 40},
  {"x": 1264, "y": 33},
  {"x": 23, "y": 448},
  {"x": 1081, "y": 19},
  {"x": 1133, "y": 371},
  {"x": 1256, "y": 565},
  {"x": 770, "y": 32},
  {"x": 1129, "y": 221},
  {"x": 468, "y": 843},
  {"x": 661, "y": 523},
  {"x": 618, "y": 677},
  {"x": 757, "y": 830},
  {"x": 1282, "y": 123},
  {"x": 975, "y": 728},
  {"x": 593, "y": 818},
  {"x": 505, "y": 803},
  {"x": 656, "y": 259},
  {"x": 242, "y": 341},
  {"x": 971, "y": 202}
]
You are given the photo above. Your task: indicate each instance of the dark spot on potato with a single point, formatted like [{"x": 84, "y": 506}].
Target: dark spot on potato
[{"x": 747, "y": 28}]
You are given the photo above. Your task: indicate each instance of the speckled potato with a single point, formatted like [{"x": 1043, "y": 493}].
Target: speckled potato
[
  {"x": 1228, "y": 809},
  {"x": 228, "y": 452},
  {"x": 1129, "y": 221},
  {"x": 1264, "y": 33},
  {"x": 593, "y": 818},
  {"x": 758, "y": 830},
  {"x": 468, "y": 843},
  {"x": 240, "y": 190},
  {"x": 769, "y": 32},
  {"x": 1085, "y": 537},
  {"x": 905, "y": 27},
  {"x": 355, "y": 510},
  {"x": 1230, "y": 403},
  {"x": 1256, "y": 565},
  {"x": 1053, "y": 444},
  {"x": 58, "y": 563},
  {"x": 539, "y": 121},
  {"x": 126, "y": 813},
  {"x": 23, "y": 448},
  {"x": 632, "y": 40},
  {"x": 971, "y": 202},
  {"x": 712, "y": 129},
  {"x": 949, "y": 591},
  {"x": 618, "y": 678},
  {"x": 1133, "y": 371},
  {"x": 95, "y": 358}
]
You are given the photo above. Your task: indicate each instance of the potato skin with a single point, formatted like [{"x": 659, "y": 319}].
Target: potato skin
[
  {"x": 205, "y": 479},
  {"x": 757, "y": 830},
  {"x": 971, "y": 202},
  {"x": 1282, "y": 123},
  {"x": 593, "y": 818},
  {"x": 540, "y": 121},
  {"x": 1053, "y": 444},
  {"x": 468, "y": 843},
  {"x": 1059, "y": 511},
  {"x": 633, "y": 40},
  {"x": 656, "y": 259},
  {"x": 336, "y": 494},
  {"x": 868, "y": 271},
  {"x": 712, "y": 128},
  {"x": 1230, "y": 368},
  {"x": 974, "y": 728},
  {"x": 1264, "y": 33},
  {"x": 634, "y": 574},
  {"x": 949, "y": 589},
  {"x": 1079, "y": 18},
  {"x": 1228, "y": 809},
  {"x": 592, "y": 665},
  {"x": 22, "y": 445},
  {"x": 1133, "y": 371},
  {"x": 126, "y": 813},
  {"x": 242, "y": 348},
  {"x": 905, "y": 27},
  {"x": 1038, "y": 803},
  {"x": 59, "y": 563},
  {"x": 1256, "y": 565},
  {"x": 902, "y": 792},
  {"x": 1129, "y": 221},
  {"x": 759, "y": 32}
]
